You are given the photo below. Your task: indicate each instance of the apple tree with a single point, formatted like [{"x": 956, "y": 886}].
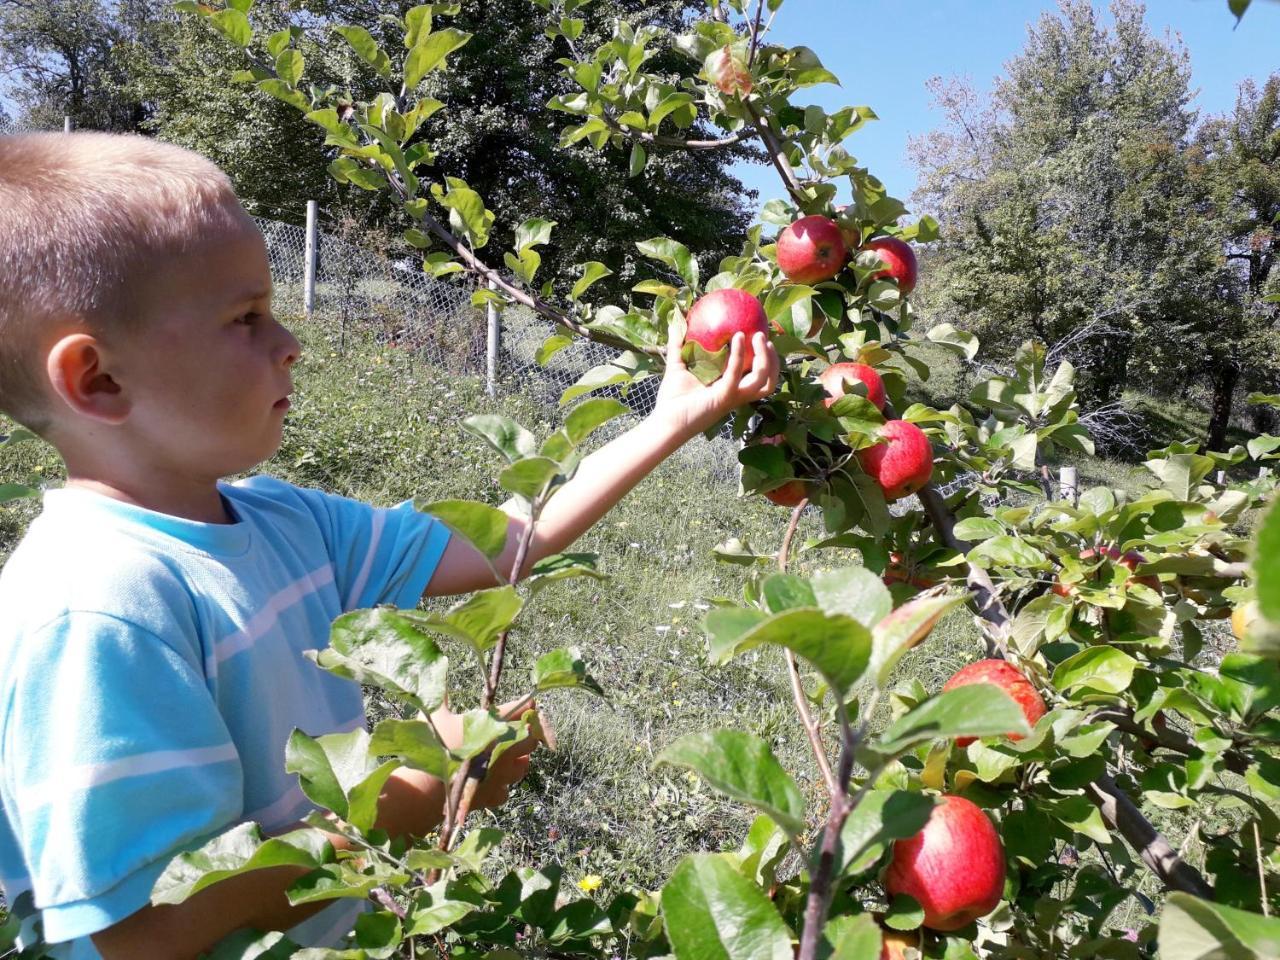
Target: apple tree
[{"x": 1009, "y": 814}]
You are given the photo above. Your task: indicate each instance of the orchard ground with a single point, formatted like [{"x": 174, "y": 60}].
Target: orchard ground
[{"x": 379, "y": 425}]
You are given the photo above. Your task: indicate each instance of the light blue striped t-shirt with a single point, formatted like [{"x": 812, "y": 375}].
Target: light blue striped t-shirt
[{"x": 151, "y": 672}]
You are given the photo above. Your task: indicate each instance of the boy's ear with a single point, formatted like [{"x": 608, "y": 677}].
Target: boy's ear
[{"x": 77, "y": 374}]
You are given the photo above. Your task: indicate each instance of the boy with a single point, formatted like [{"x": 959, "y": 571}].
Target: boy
[{"x": 150, "y": 665}]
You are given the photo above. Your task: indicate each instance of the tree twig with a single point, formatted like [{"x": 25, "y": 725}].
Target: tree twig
[{"x": 812, "y": 729}]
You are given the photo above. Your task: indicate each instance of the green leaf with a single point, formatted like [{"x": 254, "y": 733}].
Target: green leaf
[
  {"x": 503, "y": 434},
  {"x": 743, "y": 767},
  {"x": 534, "y": 232},
  {"x": 977, "y": 710},
  {"x": 338, "y": 772},
  {"x": 974, "y": 529},
  {"x": 905, "y": 627},
  {"x": 362, "y": 42},
  {"x": 966, "y": 344},
  {"x": 1266, "y": 564},
  {"x": 482, "y": 729},
  {"x": 838, "y": 646},
  {"x": 233, "y": 25},
  {"x": 430, "y": 53},
  {"x": 414, "y": 743},
  {"x": 467, "y": 212},
  {"x": 481, "y": 525},
  {"x": 385, "y": 649},
  {"x": 426, "y": 921},
  {"x": 635, "y": 165},
  {"x": 485, "y": 614},
  {"x": 562, "y": 566},
  {"x": 550, "y": 347},
  {"x": 591, "y": 272},
  {"x": 530, "y": 477},
  {"x": 562, "y": 669},
  {"x": 1195, "y": 929},
  {"x": 880, "y": 818},
  {"x": 785, "y": 591},
  {"x": 234, "y": 852},
  {"x": 852, "y": 938},
  {"x": 1008, "y": 551},
  {"x": 1101, "y": 669},
  {"x": 853, "y": 591},
  {"x": 336, "y": 881},
  {"x": 282, "y": 91},
  {"x": 289, "y": 65},
  {"x": 675, "y": 255},
  {"x": 904, "y": 913},
  {"x": 712, "y": 912},
  {"x": 589, "y": 415}
]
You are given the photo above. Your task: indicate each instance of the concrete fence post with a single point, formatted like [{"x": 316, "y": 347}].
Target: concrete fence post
[
  {"x": 309, "y": 262},
  {"x": 493, "y": 346},
  {"x": 1069, "y": 484}
]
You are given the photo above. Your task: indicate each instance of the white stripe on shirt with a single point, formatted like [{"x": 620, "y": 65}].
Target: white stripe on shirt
[
  {"x": 379, "y": 521},
  {"x": 266, "y": 618},
  {"x": 88, "y": 775}
]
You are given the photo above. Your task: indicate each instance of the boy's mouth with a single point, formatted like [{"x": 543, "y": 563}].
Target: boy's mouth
[{"x": 282, "y": 404}]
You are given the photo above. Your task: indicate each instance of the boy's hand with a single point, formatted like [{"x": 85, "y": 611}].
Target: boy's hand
[
  {"x": 512, "y": 766},
  {"x": 690, "y": 407}
]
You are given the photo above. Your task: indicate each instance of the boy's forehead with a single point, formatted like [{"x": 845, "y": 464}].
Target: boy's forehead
[{"x": 226, "y": 265}]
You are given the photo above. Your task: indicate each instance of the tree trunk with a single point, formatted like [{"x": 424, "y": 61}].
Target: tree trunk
[{"x": 1224, "y": 390}]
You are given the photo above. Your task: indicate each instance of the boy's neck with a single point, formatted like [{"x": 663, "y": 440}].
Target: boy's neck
[{"x": 203, "y": 504}]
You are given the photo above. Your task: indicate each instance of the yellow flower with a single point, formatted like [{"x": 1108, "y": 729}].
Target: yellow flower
[{"x": 590, "y": 883}]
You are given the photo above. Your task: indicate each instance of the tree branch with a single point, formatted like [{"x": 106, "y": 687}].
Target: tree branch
[
  {"x": 1123, "y": 817},
  {"x": 1236, "y": 761}
]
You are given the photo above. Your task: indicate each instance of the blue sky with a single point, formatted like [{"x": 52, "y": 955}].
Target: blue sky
[{"x": 975, "y": 38}]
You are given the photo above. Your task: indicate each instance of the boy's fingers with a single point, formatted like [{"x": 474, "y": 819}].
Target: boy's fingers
[
  {"x": 733, "y": 367},
  {"x": 674, "y": 346},
  {"x": 762, "y": 377}
]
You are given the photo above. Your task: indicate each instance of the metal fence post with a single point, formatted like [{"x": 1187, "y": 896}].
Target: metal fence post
[
  {"x": 67, "y": 125},
  {"x": 493, "y": 345},
  {"x": 309, "y": 263},
  {"x": 1069, "y": 483}
]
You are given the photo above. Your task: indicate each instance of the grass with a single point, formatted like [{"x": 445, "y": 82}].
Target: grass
[{"x": 378, "y": 425}]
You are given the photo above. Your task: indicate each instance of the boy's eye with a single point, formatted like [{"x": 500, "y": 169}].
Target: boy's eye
[{"x": 248, "y": 319}]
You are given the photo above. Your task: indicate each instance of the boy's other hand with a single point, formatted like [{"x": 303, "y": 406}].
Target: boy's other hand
[{"x": 690, "y": 407}]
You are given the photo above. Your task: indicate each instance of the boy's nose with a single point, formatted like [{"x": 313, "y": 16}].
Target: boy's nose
[{"x": 291, "y": 349}]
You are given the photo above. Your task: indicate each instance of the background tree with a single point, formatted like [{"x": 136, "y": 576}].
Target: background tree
[
  {"x": 69, "y": 58},
  {"x": 1060, "y": 200},
  {"x": 497, "y": 135},
  {"x": 1242, "y": 172}
]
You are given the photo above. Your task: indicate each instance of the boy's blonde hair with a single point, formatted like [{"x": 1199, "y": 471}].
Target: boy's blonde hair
[{"x": 85, "y": 219}]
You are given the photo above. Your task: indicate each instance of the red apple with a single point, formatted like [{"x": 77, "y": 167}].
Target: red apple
[
  {"x": 1004, "y": 675},
  {"x": 900, "y": 261},
  {"x": 903, "y": 463},
  {"x": 954, "y": 867},
  {"x": 900, "y": 572},
  {"x": 811, "y": 250},
  {"x": 837, "y": 375},
  {"x": 716, "y": 317},
  {"x": 790, "y": 493}
]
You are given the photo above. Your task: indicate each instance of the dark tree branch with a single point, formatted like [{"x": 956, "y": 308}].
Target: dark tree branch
[{"x": 1123, "y": 817}]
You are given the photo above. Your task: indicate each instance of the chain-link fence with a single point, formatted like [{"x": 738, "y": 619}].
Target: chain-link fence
[{"x": 401, "y": 305}]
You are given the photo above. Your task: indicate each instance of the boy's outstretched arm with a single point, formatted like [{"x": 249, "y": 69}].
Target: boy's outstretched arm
[{"x": 685, "y": 408}]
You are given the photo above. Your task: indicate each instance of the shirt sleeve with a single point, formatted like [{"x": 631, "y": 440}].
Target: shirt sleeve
[
  {"x": 380, "y": 555},
  {"x": 113, "y": 759}
]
